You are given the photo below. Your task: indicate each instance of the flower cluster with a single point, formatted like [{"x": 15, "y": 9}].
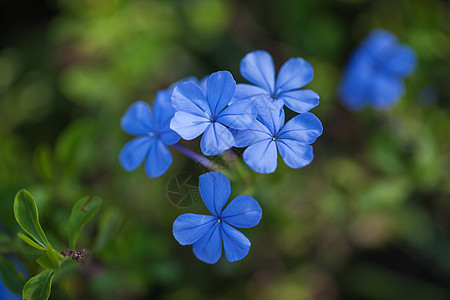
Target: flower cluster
[
  {"x": 226, "y": 115},
  {"x": 374, "y": 74}
]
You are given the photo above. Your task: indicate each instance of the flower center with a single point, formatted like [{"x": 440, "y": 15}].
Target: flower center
[
  {"x": 274, "y": 138},
  {"x": 219, "y": 219},
  {"x": 156, "y": 135}
]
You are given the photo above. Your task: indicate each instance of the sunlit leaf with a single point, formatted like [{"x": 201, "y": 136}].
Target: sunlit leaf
[
  {"x": 39, "y": 286},
  {"x": 30, "y": 241},
  {"x": 26, "y": 213}
]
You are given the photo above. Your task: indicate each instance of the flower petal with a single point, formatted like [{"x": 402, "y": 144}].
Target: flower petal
[
  {"x": 300, "y": 101},
  {"x": 403, "y": 61},
  {"x": 163, "y": 112},
  {"x": 220, "y": 89},
  {"x": 235, "y": 244},
  {"x": 209, "y": 248},
  {"x": 242, "y": 212},
  {"x": 262, "y": 157},
  {"x": 239, "y": 115},
  {"x": 386, "y": 90},
  {"x": 188, "y": 97},
  {"x": 187, "y": 125},
  {"x": 304, "y": 128},
  {"x": 215, "y": 190},
  {"x": 246, "y": 91},
  {"x": 258, "y": 68},
  {"x": 189, "y": 228},
  {"x": 294, "y": 153},
  {"x": 158, "y": 160},
  {"x": 294, "y": 74},
  {"x": 379, "y": 44},
  {"x": 134, "y": 152},
  {"x": 257, "y": 132},
  {"x": 216, "y": 139},
  {"x": 271, "y": 114},
  {"x": 138, "y": 119}
]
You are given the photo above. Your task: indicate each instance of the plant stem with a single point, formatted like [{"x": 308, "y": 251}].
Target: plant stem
[{"x": 197, "y": 157}]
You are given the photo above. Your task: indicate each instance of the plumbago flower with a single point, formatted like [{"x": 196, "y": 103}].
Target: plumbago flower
[
  {"x": 258, "y": 68},
  {"x": 207, "y": 233},
  {"x": 374, "y": 74},
  {"x": 210, "y": 113},
  {"x": 269, "y": 133},
  {"x": 152, "y": 135}
]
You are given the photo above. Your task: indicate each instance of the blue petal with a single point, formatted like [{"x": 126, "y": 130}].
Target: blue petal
[
  {"x": 304, "y": 128},
  {"x": 158, "y": 160},
  {"x": 189, "y": 228},
  {"x": 163, "y": 110},
  {"x": 271, "y": 114},
  {"x": 209, "y": 248},
  {"x": 187, "y": 125},
  {"x": 239, "y": 115},
  {"x": 215, "y": 190},
  {"x": 162, "y": 114},
  {"x": 248, "y": 92},
  {"x": 300, "y": 101},
  {"x": 403, "y": 61},
  {"x": 134, "y": 152},
  {"x": 220, "y": 89},
  {"x": 257, "y": 132},
  {"x": 258, "y": 68},
  {"x": 216, "y": 139},
  {"x": 262, "y": 157},
  {"x": 242, "y": 212},
  {"x": 354, "y": 89},
  {"x": 188, "y": 97},
  {"x": 379, "y": 44},
  {"x": 294, "y": 74},
  {"x": 294, "y": 153},
  {"x": 235, "y": 244},
  {"x": 138, "y": 119},
  {"x": 386, "y": 91}
]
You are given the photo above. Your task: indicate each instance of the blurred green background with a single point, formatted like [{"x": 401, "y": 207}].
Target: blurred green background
[{"x": 368, "y": 219}]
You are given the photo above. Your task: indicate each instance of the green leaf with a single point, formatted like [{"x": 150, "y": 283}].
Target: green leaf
[
  {"x": 82, "y": 212},
  {"x": 50, "y": 260},
  {"x": 38, "y": 287},
  {"x": 11, "y": 278},
  {"x": 26, "y": 214},
  {"x": 30, "y": 242}
]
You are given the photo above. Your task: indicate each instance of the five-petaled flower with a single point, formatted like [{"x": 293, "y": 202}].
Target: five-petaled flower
[
  {"x": 152, "y": 133},
  {"x": 211, "y": 113},
  {"x": 207, "y": 233},
  {"x": 374, "y": 74},
  {"x": 269, "y": 133},
  {"x": 258, "y": 68}
]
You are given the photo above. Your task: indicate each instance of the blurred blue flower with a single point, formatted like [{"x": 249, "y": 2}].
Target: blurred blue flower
[
  {"x": 152, "y": 133},
  {"x": 197, "y": 112},
  {"x": 258, "y": 68},
  {"x": 269, "y": 133},
  {"x": 374, "y": 74},
  {"x": 207, "y": 233}
]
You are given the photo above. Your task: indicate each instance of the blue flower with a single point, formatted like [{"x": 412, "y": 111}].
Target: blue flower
[
  {"x": 269, "y": 133},
  {"x": 207, "y": 232},
  {"x": 152, "y": 133},
  {"x": 258, "y": 68},
  {"x": 374, "y": 74},
  {"x": 211, "y": 113}
]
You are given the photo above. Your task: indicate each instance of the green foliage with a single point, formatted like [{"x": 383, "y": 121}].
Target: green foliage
[
  {"x": 82, "y": 212},
  {"x": 39, "y": 286},
  {"x": 10, "y": 277},
  {"x": 26, "y": 214}
]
